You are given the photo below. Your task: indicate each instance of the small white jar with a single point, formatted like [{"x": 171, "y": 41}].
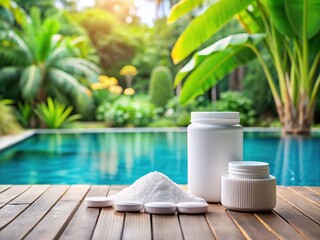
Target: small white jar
[
  {"x": 248, "y": 187},
  {"x": 214, "y": 139}
]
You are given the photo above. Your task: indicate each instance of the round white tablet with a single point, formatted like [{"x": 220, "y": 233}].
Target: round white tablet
[
  {"x": 128, "y": 206},
  {"x": 98, "y": 202},
  {"x": 160, "y": 208},
  {"x": 192, "y": 207}
]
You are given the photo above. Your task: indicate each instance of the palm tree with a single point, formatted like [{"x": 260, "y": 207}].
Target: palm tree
[{"x": 40, "y": 63}]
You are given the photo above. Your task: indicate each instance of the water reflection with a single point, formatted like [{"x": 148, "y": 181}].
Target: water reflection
[
  {"x": 298, "y": 160},
  {"x": 294, "y": 160}
]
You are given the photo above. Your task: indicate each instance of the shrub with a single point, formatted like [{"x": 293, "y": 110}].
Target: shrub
[
  {"x": 24, "y": 114},
  {"x": 181, "y": 114},
  {"x": 160, "y": 88},
  {"x": 55, "y": 114},
  {"x": 237, "y": 102},
  {"x": 8, "y": 122},
  {"x": 127, "y": 112}
]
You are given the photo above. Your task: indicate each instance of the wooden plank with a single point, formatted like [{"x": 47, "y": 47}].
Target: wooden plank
[
  {"x": 108, "y": 217},
  {"x": 137, "y": 226},
  {"x": 195, "y": 227},
  {"x": 307, "y": 194},
  {"x": 12, "y": 193},
  {"x": 4, "y": 188},
  {"x": 221, "y": 224},
  {"x": 250, "y": 226},
  {"x": 109, "y": 225},
  {"x": 33, "y": 214},
  {"x": 166, "y": 227},
  {"x": 277, "y": 225},
  {"x": 308, "y": 208},
  {"x": 52, "y": 225},
  {"x": 10, "y": 212},
  {"x": 30, "y": 195},
  {"x": 84, "y": 220},
  {"x": 304, "y": 225},
  {"x": 315, "y": 189},
  {"x": 19, "y": 204}
]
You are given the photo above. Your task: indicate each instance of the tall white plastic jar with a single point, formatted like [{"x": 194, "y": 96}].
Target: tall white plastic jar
[{"x": 214, "y": 139}]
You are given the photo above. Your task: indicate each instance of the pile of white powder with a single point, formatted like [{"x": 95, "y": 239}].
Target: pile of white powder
[{"x": 155, "y": 187}]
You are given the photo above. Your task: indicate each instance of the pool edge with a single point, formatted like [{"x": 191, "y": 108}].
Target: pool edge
[{"x": 10, "y": 140}]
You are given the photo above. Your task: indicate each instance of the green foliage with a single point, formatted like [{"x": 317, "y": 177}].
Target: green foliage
[
  {"x": 163, "y": 122},
  {"x": 42, "y": 63},
  {"x": 211, "y": 64},
  {"x": 8, "y": 122},
  {"x": 24, "y": 113},
  {"x": 111, "y": 38},
  {"x": 153, "y": 50},
  {"x": 180, "y": 115},
  {"x": 127, "y": 112},
  {"x": 103, "y": 95},
  {"x": 237, "y": 102},
  {"x": 291, "y": 37},
  {"x": 160, "y": 88},
  {"x": 55, "y": 114}
]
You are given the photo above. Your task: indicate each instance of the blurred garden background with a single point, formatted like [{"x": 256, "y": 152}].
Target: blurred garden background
[{"x": 118, "y": 63}]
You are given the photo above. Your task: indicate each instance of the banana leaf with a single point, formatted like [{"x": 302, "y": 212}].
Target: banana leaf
[
  {"x": 205, "y": 25},
  {"x": 181, "y": 8},
  {"x": 221, "y": 45}
]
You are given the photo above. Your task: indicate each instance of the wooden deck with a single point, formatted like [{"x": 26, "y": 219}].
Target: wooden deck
[{"x": 58, "y": 212}]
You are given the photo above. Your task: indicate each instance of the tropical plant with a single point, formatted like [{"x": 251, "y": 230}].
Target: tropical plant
[
  {"x": 55, "y": 115},
  {"x": 24, "y": 114},
  {"x": 289, "y": 30},
  {"x": 8, "y": 122},
  {"x": 11, "y": 12},
  {"x": 41, "y": 62},
  {"x": 160, "y": 88},
  {"x": 127, "y": 112},
  {"x": 237, "y": 102}
]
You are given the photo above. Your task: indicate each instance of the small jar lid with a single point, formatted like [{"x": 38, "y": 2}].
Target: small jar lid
[
  {"x": 221, "y": 118},
  {"x": 248, "y": 170}
]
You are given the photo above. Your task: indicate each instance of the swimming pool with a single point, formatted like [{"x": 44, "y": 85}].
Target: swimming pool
[{"x": 123, "y": 157}]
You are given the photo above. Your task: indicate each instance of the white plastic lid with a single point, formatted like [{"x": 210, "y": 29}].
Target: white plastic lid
[
  {"x": 248, "y": 170},
  {"x": 222, "y": 118}
]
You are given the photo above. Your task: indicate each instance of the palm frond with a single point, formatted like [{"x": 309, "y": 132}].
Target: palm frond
[
  {"x": 66, "y": 82},
  {"x": 78, "y": 66},
  {"x": 9, "y": 73},
  {"x": 13, "y": 39},
  {"x": 31, "y": 80}
]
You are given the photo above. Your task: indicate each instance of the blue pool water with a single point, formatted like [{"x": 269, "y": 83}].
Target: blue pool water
[{"x": 123, "y": 157}]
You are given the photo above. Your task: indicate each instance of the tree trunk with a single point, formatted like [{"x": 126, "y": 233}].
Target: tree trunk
[
  {"x": 235, "y": 79},
  {"x": 296, "y": 121}
]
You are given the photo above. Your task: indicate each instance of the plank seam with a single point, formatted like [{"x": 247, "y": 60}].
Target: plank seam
[
  {"x": 15, "y": 197},
  {"x": 46, "y": 212},
  {"x": 3, "y": 190},
  {"x": 211, "y": 228},
  {"x": 182, "y": 234},
  {"x": 238, "y": 225},
  {"x": 297, "y": 230},
  {"x": 66, "y": 223},
  {"x": 313, "y": 190},
  {"x": 305, "y": 197},
  {"x": 268, "y": 227},
  {"x": 298, "y": 209}
]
